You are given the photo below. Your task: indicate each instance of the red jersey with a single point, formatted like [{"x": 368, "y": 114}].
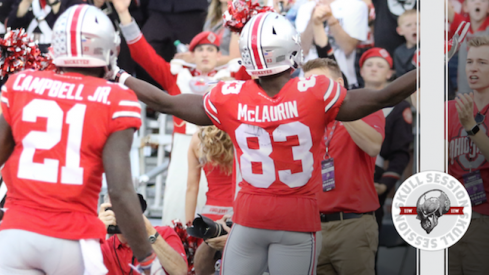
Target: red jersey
[
  {"x": 277, "y": 141},
  {"x": 118, "y": 256},
  {"x": 60, "y": 123},
  {"x": 220, "y": 194},
  {"x": 464, "y": 155},
  {"x": 354, "y": 170}
]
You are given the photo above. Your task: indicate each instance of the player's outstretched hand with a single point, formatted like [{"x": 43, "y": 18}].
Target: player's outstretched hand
[
  {"x": 107, "y": 216},
  {"x": 465, "y": 109}
]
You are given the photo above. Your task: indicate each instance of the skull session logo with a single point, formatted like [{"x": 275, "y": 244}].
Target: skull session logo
[{"x": 431, "y": 210}]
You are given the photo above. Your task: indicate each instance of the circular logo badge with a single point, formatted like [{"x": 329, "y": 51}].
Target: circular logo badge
[{"x": 431, "y": 210}]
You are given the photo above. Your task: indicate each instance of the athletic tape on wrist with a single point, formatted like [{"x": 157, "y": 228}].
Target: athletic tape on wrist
[{"x": 121, "y": 76}]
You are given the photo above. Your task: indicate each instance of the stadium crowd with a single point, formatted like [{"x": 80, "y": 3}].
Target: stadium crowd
[{"x": 183, "y": 47}]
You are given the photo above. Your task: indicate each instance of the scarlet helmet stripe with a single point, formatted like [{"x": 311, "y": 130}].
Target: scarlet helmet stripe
[
  {"x": 256, "y": 50},
  {"x": 75, "y": 39}
]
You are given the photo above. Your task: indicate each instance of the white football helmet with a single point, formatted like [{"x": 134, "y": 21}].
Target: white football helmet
[
  {"x": 83, "y": 36},
  {"x": 269, "y": 44}
]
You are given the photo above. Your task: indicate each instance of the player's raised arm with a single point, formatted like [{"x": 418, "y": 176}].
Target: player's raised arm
[
  {"x": 188, "y": 107},
  {"x": 359, "y": 103},
  {"x": 122, "y": 195},
  {"x": 6, "y": 140}
]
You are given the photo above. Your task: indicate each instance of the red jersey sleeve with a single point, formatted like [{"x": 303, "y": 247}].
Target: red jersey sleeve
[
  {"x": 5, "y": 97},
  {"x": 376, "y": 121},
  {"x": 330, "y": 92},
  {"x": 213, "y": 105},
  {"x": 155, "y": 65},
  {"x": 125, "y": 111}
]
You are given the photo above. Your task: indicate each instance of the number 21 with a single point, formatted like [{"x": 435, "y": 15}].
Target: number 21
[{"x": 71, "y": 173}]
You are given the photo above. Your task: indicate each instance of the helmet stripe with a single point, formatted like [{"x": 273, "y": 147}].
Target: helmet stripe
[
  {"x": 75, "y": 25},
  {"x": 255, "y": 39}
]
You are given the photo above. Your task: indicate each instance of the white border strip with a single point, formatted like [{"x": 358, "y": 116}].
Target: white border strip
[{"x": 432, "y": 102}]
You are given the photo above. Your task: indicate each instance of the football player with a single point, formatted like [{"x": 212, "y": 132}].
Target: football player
[
  {"x": 59, "y": 132},
  {"x": 276, "y": 124}
]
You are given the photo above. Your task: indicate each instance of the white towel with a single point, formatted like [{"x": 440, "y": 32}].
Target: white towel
[{"x": 92, "y": 257}]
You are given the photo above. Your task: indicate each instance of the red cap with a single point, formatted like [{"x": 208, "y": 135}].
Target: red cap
[
  {"x": 376, "y": 52},
  {"x": 204, "y": 38}
]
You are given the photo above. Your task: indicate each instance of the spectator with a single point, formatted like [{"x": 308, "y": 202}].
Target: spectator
[
  {"x": 323, "y": 48},
  {"x": 168, "y": 21},
  {"x": 211, "y": 150},
  {"x": 376, "y": 65},
  {"x": 347, "y": 25},
  {"x": 386, "y": 13},
  {"x": 479, "y": 26},
  {"x": 364, "y": 46},
  {"x": 347, "y": 206},
  {"x": 376, "y": 70},
  {"x": 210, "y": 251},
  {"x": 403, "y": 55},
  {"x": 229, "y": 41},
  {"x": 177, "y": 79},
  {"x": 165, "y": 242},
  {"x": 37, "y": 17},
  {"x": 468, "y": 124}
]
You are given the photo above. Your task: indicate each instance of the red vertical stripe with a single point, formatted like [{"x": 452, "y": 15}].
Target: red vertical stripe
[
  {"x": 73, "y": 32},
  {"x": 254, "y": 41}
]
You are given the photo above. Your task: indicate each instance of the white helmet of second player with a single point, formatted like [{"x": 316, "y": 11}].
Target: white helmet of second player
[
  {"x": 269, "y": 45},
  {"x": 83, "y": 36}
]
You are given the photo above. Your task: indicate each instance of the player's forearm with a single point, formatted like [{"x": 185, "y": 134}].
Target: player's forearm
[
  {"x": 364, "y": 136},
  {"x": 124, "y": 200},
  {"x": 170, "y": 259},
  {"x": 188, "y": 107},
  {"x": 128, "y": 214},
  {"x": 359, "y": 103},
  {"x": 398, "y": 90},
  {"x": 152, "y": 96}
]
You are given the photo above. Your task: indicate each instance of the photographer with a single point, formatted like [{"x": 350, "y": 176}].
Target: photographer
[
  {"x": 165, "y": 242},
  {"x": 210, "y": 251}
]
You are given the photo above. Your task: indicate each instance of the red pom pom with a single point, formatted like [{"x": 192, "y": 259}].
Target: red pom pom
[
  {"x": 240, "y": 12},
  {"x": 20, "y": 53},
  {"x": 189, "y": 243}
]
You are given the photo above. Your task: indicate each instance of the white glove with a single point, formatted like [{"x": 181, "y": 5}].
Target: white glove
[{"x": 112, "y": 69}]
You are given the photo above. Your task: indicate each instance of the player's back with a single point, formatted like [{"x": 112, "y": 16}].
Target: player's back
[
  {"x": 60, "y": 123},
  {"x": 277, "y": 144}
]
